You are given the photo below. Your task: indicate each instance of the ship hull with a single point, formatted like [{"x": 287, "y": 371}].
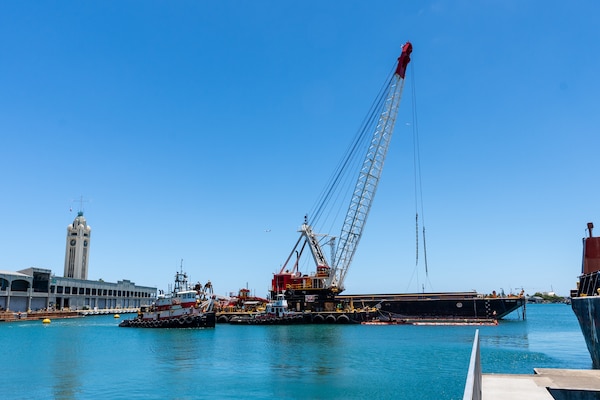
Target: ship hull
[
  {"x": 587, "y": 310},
  {"x": 447, "y": 306},
  {"x": 204, "y": 320}
]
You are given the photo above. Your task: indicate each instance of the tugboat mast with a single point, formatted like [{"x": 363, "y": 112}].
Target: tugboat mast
[{"x": 180, "y": 279}]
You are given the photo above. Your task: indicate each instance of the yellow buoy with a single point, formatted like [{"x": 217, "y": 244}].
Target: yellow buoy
[
  {"x": 117, "y": 316},
  {"x": 46, "y": 321}
]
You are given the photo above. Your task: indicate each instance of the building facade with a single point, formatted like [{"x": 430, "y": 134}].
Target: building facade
[{"x": 34, "y": 289}]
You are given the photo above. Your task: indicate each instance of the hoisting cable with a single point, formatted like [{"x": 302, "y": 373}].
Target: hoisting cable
[
  {"x": 416, "y": 234},
  {"x": 418, "y": 177}
]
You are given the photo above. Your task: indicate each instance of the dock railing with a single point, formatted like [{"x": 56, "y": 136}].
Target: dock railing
[{"x": 473, "y": 384}]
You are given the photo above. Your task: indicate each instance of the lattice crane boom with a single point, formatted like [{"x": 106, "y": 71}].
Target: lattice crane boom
[{"x": 368, "y": 178}]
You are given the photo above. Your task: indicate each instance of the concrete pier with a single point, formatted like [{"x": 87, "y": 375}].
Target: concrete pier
[
  {"x": 9, "y": 316},
  {"x": 544, "y": 384}
]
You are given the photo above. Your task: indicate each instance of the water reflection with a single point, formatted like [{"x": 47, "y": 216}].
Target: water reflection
[
  {"x": 66, "y": 361},
  {"x": 501, "y": 340},
  {"x": 296, "y": 351},
  {"x": 179, "y": 350}
]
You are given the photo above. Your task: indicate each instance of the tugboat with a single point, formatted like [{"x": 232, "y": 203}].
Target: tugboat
[
  {"x": 184, "y": 307},
  {"x": 585, "y": 300}
]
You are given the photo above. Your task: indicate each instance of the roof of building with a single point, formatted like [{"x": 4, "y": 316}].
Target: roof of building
[{"x": 13, "y": 273}]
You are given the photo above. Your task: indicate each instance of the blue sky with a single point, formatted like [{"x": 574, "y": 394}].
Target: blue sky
[{"x": 204, "y": 131}]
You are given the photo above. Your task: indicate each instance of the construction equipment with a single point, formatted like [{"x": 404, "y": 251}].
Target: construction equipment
[{"x": 316, "y": 291}]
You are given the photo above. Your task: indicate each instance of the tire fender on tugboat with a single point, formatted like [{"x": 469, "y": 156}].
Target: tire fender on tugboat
[
  {"x": 318, "y": 319},
  {"x": 343, "y": 319}
]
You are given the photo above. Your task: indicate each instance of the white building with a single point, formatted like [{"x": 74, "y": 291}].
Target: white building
[{"x": 37, "y": 289}]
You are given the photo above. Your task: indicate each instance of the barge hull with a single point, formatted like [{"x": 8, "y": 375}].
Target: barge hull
[
  {"x": 438, "y": 305},
  {"x": 587, "y": 310}
]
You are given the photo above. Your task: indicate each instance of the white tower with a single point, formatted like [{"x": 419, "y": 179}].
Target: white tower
[{"x": 78, "y": 248}]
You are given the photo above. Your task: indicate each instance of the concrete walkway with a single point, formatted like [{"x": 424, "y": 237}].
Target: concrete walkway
[{"x": 535, "y": 386}]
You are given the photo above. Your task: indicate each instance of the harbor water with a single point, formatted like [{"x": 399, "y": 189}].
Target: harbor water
[{"x": 91, "y": 357}]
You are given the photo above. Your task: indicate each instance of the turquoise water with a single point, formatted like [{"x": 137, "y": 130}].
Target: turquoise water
[{"x": 91, "y": 357}]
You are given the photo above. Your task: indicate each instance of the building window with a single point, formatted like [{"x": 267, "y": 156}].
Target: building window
[
  {"x": 59, "y": 289},
  {"x": 68, "y": 290},
  {"x": 93, "y": 292},
  {"x": 87, "y": 291},
  {"x": 80, "y": 290}
]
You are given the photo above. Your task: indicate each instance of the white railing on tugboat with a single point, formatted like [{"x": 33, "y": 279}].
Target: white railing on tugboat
[{"x": 473, "y": 384}]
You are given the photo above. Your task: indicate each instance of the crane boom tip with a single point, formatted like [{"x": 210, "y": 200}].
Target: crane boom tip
[{"x": 404, "y": 59}]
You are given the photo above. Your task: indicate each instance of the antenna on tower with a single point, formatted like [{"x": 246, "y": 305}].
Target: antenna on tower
[{"x": 81, "y": 201}]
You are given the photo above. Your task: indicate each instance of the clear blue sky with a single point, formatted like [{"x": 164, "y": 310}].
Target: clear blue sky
[{"x": 205, "y": 130}]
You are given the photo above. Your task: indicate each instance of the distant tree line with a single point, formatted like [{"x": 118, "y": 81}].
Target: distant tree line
[{"x": 550, "y": 298}]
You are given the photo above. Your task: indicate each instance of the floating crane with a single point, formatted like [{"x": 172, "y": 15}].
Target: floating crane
[{"x": 317, "y": 291}]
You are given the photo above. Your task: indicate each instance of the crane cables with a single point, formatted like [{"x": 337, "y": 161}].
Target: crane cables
[
  {"x": 329, "y": 204},
  {"x": 418, "y": 184}
]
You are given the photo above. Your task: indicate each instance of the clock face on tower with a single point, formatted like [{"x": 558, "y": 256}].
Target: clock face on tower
[{"x": 73, "y": 242}]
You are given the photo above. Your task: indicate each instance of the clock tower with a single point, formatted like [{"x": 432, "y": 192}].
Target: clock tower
[{"x": 78, "y": 248}]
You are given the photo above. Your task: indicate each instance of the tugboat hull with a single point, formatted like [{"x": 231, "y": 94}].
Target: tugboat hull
[{"x": 206, "y": 320}]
